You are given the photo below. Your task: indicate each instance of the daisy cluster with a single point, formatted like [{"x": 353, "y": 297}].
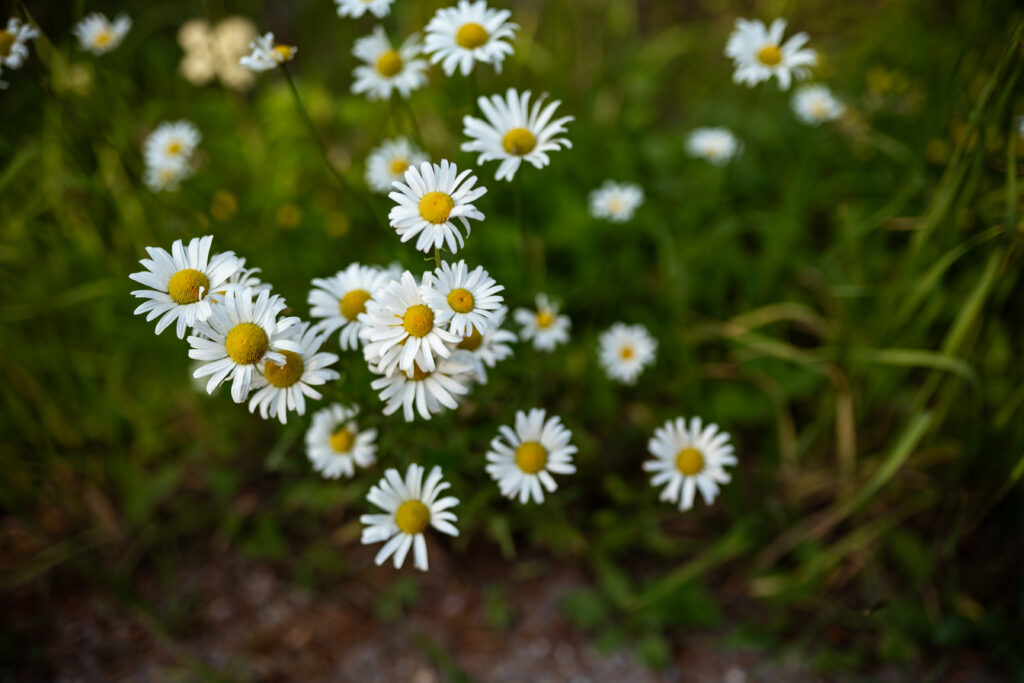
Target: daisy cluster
[{"x": 168, "y": 154}]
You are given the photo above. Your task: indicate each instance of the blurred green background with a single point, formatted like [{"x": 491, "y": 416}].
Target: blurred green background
[{"x": 845, "y": 300}]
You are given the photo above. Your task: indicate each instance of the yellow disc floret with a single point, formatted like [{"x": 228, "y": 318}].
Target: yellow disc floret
[
  {"x": 689, "y": 461},
  {"x": 769, "y": 55},
  {"x": 389, "y": 64},
  {"x": 174, "y": 148},
  {"x": 544, "y": 319},
  {"x": 412, "y": 517},
  {"x": 283, "y": 53},
  {"x": 398, "y": 166},
  {"x": 471, "y": 35},
  {"x": 418, "y": 320},
  {"x": 418, "y": 373},
  {"x": 519, "y": 141},
  {"x": 187, "y": 286},
  {"x": 287, "y": 374},
  {"x": 461, "y": 300},
  {"x": 626, "y": 352},
  {"x": 531, "y": 457},
  {"x": 354, "y": 303},
  {"x": 103, "y": 38},
  {"x": 435, "y": 207},
  {"x": 246, "y": 343},
  {"x": 342, "y": 440},
  {"x": 473, "y": 341},
  {"x": 6, "y": 43}
]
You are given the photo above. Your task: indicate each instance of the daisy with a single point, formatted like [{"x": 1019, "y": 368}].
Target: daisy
[
  {"x": 243, "y": 277},
  {"x": 465, "y": 299},
  {"x": 427, "y": 393},
  {"x": 469, "y": 33},
  {"x": 99, "y": 35},
  {"x": 814, "y": 104},
  {"x": 482, "y": 350},
  {"x": 214, "y": 51},
  {"x": 616, "y": 201},
  {"x": 239, "y": 336},
  {"x": 357, "y": 8},
  {"x": 429, "y": 199},
  {"x": 758, "y": 53},
  {"x": 717, "y": 145},
  {"x": 283, "y": 387},
  {"x": 401, "y": 329},
  {"x": 387, "y": 69},
  {"x": 13, "y": 44},
  {"x": 172, "y": 143},
  {"x": 340, "y": 299},
  {"x": 625, "y": 350},
  {"x": 544, "y": 326},
  {"x": 389, "y": 161},
  {"x": 514, "y": 132},
  {"x": 410, "y": 506},
  {"x": 180, "y": 282},
  {"x": 524, "y": 461},
  {"x": 166, "y": 176},
  {"x": 689, "y": 458},
  {"x": 335, "y": 444},
  {"x": 264, "y": 55}
]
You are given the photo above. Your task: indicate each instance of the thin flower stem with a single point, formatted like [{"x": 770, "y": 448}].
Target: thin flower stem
[{"x": 437, "y": 257}]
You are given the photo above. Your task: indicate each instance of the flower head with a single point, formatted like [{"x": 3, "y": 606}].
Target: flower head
[
  {"x": 625, "y": 350},
  {"x": 815, "y": 104},
  {"x": 265, "y": 55},
  {"x": 465, "y": 299},
  {"x": 616, "y": 202},
  {"x": 339, "y": 300},
  {"x": 687, "y": 458},
  {"x": 544, "y": 326},
  {"x": 386, "y": 69},
  {"x": 461, "y": 36},
  {"x": 758, "y": 53},
  {"x": 716, "y": 145},
  {"x": 427, "y": 392},
  {"x": 523, "y": 462},
  {"x": 215, "y": 51},
  {"x": 99, "y": 35},
  {"x": 335, "y": 444},
  {"x": 389, "y": 161},
  {"x": 429, "y": 201},
  {"x": 282, "y": 387},
  {"x": 357, "y": 8},
  {"x": 14, "y": 44}
]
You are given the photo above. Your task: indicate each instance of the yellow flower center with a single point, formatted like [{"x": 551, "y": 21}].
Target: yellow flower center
[
  {"x": 531, "y": 457},
  {"x": 544, "y": 319},
  {"x": 6, "y": 43},
  {"x": 354, "y": 303},
  {"x": 769, "y": 55},
  {"x": 689, "y": 461},
  {"x": 283, "y": 53},
  {"x": 174, "y": 148},
  {"x": 342, "y": 440},
  {"x": 187, "y": 286},
  {"x": 461, "y": 300},
  {"x": 616, "y": 205},
  {"x": 287, "y": 374},
  {"x": 398, "y": 166},
  {"x": 819, "y": 109},
  {"x": 246, "y": 343},
  {"x": 389, "y": 64},
  {"x": 626, "y": 352},
  {"x": 412, "y": 517},
  {"x": 519, "y": 141},
  {"x": 418, "y": 374},
  {"x": 103, "y": 38},
  {"x": 418, "y": 320},
  {"x": 435, "y": 207},
  {"x": 473, "y": 341},
  {"x": 471, "y": 35}
]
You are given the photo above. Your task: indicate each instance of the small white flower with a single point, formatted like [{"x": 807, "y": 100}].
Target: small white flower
[
  {"x": 243, "y": 277},
  {"x": 616, "y": 202},
  {"x": 335, "y": 444},
  {"x": 279, "y": 388},
  {"x": 625, "y": 350},
  {"x": 717, "y": 145},
  {"x": 357, "y": 8},
  {"x": 410, "y": 506},
  {"x": 758, "y": 53},
  {"x": 429, "y": 199},
  {"x": 544, "y": 326},
  {"x": 815, "y": 104},
  {"x": 514, "y": 133},
  {"x": 386, "y": 68},
  {"x": 214, "y": 52},
  {"x": 427, "y": 393},
  {"x": 389, "y": 161},
  {"x": 688, "y": 458},
  {"x": 239, "y": 335},
  {"x": 166, "y": 176},
  {"x": 180, "y": 283},
  {"x": 483, "y": 350},
  {"x": 340, "y": 299},
  {"x": 264, "y": 55},
  {"x": 13, "y": 44},
  {"x": 99, "y": 35},
  {"x": 524, "y": 461},
  {"x": 465, "y": 299},
  {"x": 469, "y": 33},
  {"x": 173, "y": 142}
]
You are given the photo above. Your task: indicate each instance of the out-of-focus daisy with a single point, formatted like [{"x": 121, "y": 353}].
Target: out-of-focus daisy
[
  {"x": 180, "y": 283},
  {"x": 464, "y": 299},
  {"x": 335, "y": 444},
  {"x": 616, "y": 202},
  {"x": 386, "y": 68},
  {"x": 99, "y": 35},
  {"x": 214, "y": 51},
  {"x": 13, "y": 44},
  {"x": 815, "y": 104},
  {"x": 410, "y": 506},
  {"x": 625, "y": 350},
  {"x": 389, "y": 161},
  {"x": 429, "y": 199},
  {"x": 264, "y": 55},
  {"x": 717, "y": 145},
  {"x": 482, "y": 350},
  {"x": 514, "y": 132},
  {"x": 687, "y": 458},
  {"x": 280, "y": 388},
  {"x": 238, "y": 337},
  {"x": 544, "y": 326},
  {"x": 171, "y": 143},
  {"x": 339, "y": 300},
  {"x": 427, "y": 393},
  {"x": 469, "y": 33},
  {"x": 758, "y": 53},
  {"x": 357, "y": 8},
  {"x": 522, "y": 463},
  {"x": 166, "y": 176}
]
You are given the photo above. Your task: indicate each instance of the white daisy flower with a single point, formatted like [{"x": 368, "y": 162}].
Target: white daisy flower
[
  {"x": 99, "y": 35},
  {"x": 214, "y": 51},
  {"x": 523, "y": 463},
  {"x": 180, "y": 282},
  {"x": 357, "y": 8},
  {"x": 386, "y": 68},
  {"x": 279, "y": 388},
  {"x": 689, "y": 458},
  {"x": 173, "y": 142},
  {"x": 339, "y": 300},
  {"x": 238, "y": 337},
  {"x": 758, "y": 53},
  {"x": 335, "y": 444},
  {"x": 625, "y": 350},
  {"x": 429, "y": 199},
  {"x": 815, "y": 104},
  {"x": 410, "y": 506},
  {"x": 544, "y": 326},
  {"x": 464, "y": 299},
  {"x": 13, "y": 44},
  {"x": 243, "y": 277},
  {"x": 717, "y": 145},
  {"x": 514, "y": 132},
  {"x": 401, "y": 329},
  {"x": 166, "y": 176},
  {"x": 482, "y": 350},
  {"x": 616, "y": 202},
  {"x": 388, "y": 162},
  {"x": 264, "y": 55},
  {"x": 469, "y": 33},
  {"x": 428, "y": 393}
]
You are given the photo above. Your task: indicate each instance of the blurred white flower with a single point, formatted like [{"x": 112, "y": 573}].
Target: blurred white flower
[
  {"x": 172, "y": 142},
  {"x": 99, "y": 35},
  {"x": 758, "y": 53},
  {"x": 717, "y": 145},
  {"x": 388, "y": 162},
  {"x": 429, "y": 199},
  {"x": 625, "y": 350},
  {"x": 616, "y": 202},
  {"x": 215, "y": 52},
  {"x": 387, "y": 69},
  {"x": 335, "y": 444},
  {"x": 459, "y": 37},
  {"x": 166, "y": 176},
  {"x": 687, "y": 458},
  {"x": 13, "y": 44},
  {"x": 523, "y": 462},
  {"x": 282, "y": 387},
  {"x": 545, "y": 327},
  {"x": 339, "y": 300},
  {"x": 815, "y": 104},
  {"x": 357, "y": 8},
  {"x": 264, "y": 55}
]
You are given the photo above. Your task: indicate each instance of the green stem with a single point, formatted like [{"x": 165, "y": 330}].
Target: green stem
[{"x": 437, "y": 257}]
